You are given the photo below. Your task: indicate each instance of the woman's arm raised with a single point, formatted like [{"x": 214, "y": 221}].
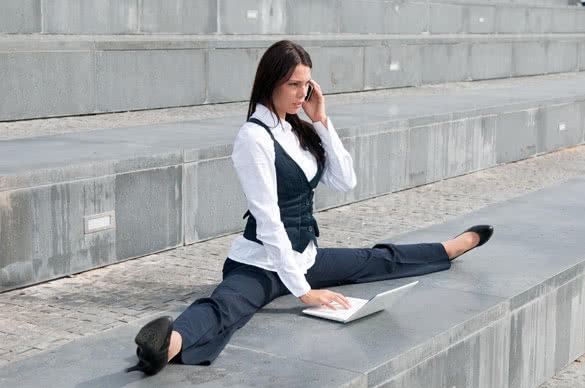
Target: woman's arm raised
[{"x": 339, "y": 173}]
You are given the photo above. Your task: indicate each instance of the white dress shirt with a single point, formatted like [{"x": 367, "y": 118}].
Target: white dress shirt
[{"x": 253, "y": 159}]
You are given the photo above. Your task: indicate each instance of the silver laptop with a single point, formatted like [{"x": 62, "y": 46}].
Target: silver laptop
[{"x": 360, "y": 307}]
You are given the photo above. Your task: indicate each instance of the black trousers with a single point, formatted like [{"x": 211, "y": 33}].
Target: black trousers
[{"x": 208, "y": 324}]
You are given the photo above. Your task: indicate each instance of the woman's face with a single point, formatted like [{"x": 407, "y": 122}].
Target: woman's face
[{"x": 289, "y": 96}]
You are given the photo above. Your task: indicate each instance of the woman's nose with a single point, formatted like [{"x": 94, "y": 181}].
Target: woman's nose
[{"x": 302, "y": 92}]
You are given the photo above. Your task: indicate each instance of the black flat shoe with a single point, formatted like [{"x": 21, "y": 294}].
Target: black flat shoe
[
  {"x": 483, "y": 231},
  {"x": 153, "y": 342}
]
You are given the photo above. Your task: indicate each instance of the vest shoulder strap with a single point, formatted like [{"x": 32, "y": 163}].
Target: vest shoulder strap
[{"x": 260, "y": 123}]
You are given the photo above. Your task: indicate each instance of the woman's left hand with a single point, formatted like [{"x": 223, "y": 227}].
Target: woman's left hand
[{"x": 315, "y": 107}]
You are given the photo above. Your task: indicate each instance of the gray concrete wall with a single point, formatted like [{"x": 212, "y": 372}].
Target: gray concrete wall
[
  {"x": 287, "y": 16},
  {"x": 166, "y": 187},
  {"x": 481, "y": 360},
  {"x": 551, "y": 325},
  {"x": 20, "y": 17},
  {"x": 42, "y": 232},
  {"x": 67, "y": 76},
  {"x": 522, "y": 349},
  {"x": 90, "y": 17}
]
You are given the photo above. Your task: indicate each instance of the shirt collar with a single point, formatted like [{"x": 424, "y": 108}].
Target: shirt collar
[{"x": 269, "y": 118}]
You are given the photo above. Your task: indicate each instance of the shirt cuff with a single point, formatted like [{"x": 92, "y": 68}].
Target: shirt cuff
[{"x": 294, "y": 282}]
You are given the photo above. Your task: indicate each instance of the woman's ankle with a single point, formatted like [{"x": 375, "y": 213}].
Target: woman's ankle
[
  {"x": 175, "y": 345},
  {"x": 460, "y": 244}
]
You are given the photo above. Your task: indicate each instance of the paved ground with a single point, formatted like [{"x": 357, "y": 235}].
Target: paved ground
[{"x": 45, "y": 316}]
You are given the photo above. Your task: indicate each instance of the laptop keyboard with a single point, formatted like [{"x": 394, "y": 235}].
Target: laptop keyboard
[{"x": 356, "y": 304}]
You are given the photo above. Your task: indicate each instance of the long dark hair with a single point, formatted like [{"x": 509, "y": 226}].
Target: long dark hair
[{"x": 275, "y": 68}]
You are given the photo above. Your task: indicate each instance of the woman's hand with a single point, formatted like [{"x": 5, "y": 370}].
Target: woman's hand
[
  {"x": 315, "y": 107},
  {"x": 325, "y": 297}
]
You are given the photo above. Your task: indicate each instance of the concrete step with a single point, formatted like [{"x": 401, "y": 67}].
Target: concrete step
[
  {"x": 510, "y": 314},
  {"x": 70, "y": 75},
  {"x": 156, "y": 187},
  {"x": 74, "y": 124},
  {"x": 288, "y": 16}
]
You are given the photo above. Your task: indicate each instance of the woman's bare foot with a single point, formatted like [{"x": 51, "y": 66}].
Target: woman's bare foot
[
  {"x": 461, "y": 244},
  {"x": 175, "y": 345}
]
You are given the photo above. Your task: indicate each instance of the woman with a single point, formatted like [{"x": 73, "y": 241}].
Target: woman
[{"x": 279, "y": 160}]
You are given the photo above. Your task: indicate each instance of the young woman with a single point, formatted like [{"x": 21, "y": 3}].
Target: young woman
[{"x": 280, "y": 159}]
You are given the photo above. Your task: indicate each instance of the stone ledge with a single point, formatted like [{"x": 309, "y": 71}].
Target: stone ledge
[
  {"x": 114, "y": 74},
  {"x": 287, "y": 16},
  {"x": 71, "y": 43},
  {"x": 48, "y": 160},
  {"x": 458, "y": 328},
  {"x": 173, "y": 184}
]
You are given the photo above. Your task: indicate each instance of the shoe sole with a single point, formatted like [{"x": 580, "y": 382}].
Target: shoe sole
[{"x": 149, "y": 338}]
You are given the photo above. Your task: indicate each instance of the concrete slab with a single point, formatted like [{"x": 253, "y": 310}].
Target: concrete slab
[
  {"x": 23, "y": 17},
  {"x": 559, "y": 125},
  {"x": 374, "y": 13},
  {"x": 481, "y": 20},
  {"x": 90, "y": 17},
  {"x": 507, "y": 314},
  {"x": 454, "y": 59},
  {"x": 393, "y": 66},
  {"x": 581, "y": 48},
  {"x": 539, "y": 20},
  {"x": 225, "y": 84},
  {"x": 293, "y": 17},
  {"x": 76, "y": 365},
  {"x": 529, "y": 58},
  {"x": 366, "y": 345},
  {"x": 580, "y": 22},
  {"x": 131, "y": 72},
  {"x": 396, "y": 143},
  {"x": 42, "y": 231},
  {"x": 516, "y": 135},
  {"x": 115, "y": 151},
  {"x": 562, "y": 57},
  {"x": 446, "y": 18},
  {"x": 149, "y": 211},
  {"x": 40, "y": 161},
  {"x": 338, "y": 69},
  {"x": 565, "y": 20},
  {"x": 33, "y": 87},
  {"x": 491, "y": 61},
  {"x": 178, "y": 16},
  {"x": 407, "y": 18},
  {"x": 172, "y": 78},
  {"x": 511, "y": 20},
  {"x": 213, "y": 204},
  {"x": 311, "y": 16},
  {"x": 523, "y": 239}
]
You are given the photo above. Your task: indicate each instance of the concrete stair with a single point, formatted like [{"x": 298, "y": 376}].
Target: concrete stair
[
  {"x": 164, "y": 185},
  {"x": 86, "y": 57},
  {"x": 290, "y": 16},
  {"x": 510, "y": 314},
  {"x": 62, "y": 75}
]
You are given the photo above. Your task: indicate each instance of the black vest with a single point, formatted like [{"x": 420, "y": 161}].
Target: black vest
[{"x": 295, "y": 199}]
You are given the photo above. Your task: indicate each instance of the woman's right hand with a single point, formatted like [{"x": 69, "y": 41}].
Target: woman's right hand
[{"x": 325, "y": 298}]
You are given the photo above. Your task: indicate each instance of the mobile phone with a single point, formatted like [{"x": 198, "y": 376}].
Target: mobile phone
[{"x": 309, "y": 93}]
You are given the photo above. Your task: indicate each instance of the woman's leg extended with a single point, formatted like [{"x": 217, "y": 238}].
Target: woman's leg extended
[
  {"x": 335, "y": 266},
  {"x": 208, "y": 324}
]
